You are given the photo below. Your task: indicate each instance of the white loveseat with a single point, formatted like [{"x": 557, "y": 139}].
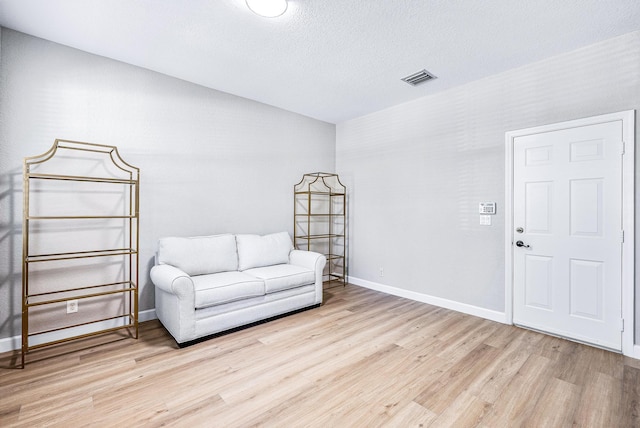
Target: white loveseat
[{"x": 210, "y": 284}]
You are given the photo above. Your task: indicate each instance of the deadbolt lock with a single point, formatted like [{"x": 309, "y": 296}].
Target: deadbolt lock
[{"x": 520, "y": 230}]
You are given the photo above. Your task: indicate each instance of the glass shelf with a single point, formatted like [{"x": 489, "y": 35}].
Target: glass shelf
[
  {"x": 320, "y": 221},
  {"x": 65, "y": 163}
]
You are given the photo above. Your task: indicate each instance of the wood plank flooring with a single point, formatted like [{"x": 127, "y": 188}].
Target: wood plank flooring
[{"x": 363, "y": 359}]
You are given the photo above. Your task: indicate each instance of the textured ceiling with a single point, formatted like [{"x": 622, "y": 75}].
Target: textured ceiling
[{"x": 328, "y": 59}]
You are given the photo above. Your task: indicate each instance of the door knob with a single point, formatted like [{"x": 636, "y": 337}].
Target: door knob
[{"x": 522, "y": 244}]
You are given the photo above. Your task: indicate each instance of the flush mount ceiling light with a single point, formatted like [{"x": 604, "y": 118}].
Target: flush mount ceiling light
[{"x": 267, "y": 8}]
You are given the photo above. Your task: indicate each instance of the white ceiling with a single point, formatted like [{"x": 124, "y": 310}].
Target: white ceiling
[{"x": 328, "y": 59}]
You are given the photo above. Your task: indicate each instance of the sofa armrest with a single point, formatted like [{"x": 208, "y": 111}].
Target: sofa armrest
[
  {"x": 172, "y": 280},
  {"x": 314, "y": 261},
  {"x": 307, "y": 259},
  {"x": 175, "y": 301}
]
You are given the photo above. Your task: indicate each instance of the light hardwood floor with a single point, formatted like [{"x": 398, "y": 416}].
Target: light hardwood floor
[{"x": 363, "y": 359}]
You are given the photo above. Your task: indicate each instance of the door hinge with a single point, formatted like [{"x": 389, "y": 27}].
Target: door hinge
[
  {"x": 621, "y": 324},
  {"x": 622, "y": 149},
  {"x": 622, "y": 236}
]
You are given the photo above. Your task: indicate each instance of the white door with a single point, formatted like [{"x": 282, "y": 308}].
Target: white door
[{"x": 567, "y": 237}]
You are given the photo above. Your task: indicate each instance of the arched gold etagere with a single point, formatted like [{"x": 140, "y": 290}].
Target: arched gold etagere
[
  {"x": 319, "y": 215},
  {"x": 80, "y": 223}
]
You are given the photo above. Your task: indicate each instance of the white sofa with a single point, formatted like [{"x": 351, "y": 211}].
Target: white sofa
[{"x": 209, "y": 284}]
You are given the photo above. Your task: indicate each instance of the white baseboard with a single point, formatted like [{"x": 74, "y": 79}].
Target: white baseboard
[
  {"x": 12, "y": 343},
  {"x": 432, "y": 300},
  {"x": 148, "y": 315},
  {"x": 636, "y": 352}
]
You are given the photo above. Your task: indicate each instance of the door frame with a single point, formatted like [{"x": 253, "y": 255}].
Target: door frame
[{"x": 628, "y": 214}]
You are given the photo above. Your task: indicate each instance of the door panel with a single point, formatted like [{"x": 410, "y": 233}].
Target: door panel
[
  {"x": 587, "y": 288},
  {"x": 568, "y": 199},
  {"x": 539, "y": 207},
  {"x": 587, "y": 212},
  {"x": 539, "y": 281}
]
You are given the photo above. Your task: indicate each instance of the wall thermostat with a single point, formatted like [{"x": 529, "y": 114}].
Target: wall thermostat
[{"x": 487, "y": 208}]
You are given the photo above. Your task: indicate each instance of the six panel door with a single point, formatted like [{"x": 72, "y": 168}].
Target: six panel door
[{"x": 567, "y": 216}]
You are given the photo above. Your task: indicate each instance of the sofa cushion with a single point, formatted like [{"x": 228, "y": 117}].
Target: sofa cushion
[
  {"x": 224, "y": 287},
  {"x": 257, "y": 251},
  {"x": 283, "y": 276},
  {"x": 199, "y": 255}
]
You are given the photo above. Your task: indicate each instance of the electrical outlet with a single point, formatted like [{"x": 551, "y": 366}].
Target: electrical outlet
[
  {"x": 381, "y": 272},
  {"x": 72, "y": 306}
]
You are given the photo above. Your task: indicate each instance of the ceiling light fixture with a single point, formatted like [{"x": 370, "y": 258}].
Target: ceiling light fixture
[{"x": 267, "y": 8}]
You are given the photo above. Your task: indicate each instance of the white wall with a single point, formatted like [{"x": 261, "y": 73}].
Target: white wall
[
  {"x": 210, "y": 162},
  {"x": 417, "y": 171}
]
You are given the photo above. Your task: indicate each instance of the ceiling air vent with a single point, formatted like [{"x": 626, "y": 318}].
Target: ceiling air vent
[{"x": 419, "y": 77}]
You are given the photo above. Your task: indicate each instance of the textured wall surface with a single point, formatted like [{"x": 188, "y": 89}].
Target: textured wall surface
[
  {"x": 417, "y": 171},
  {"x": 210, "y": 162}
]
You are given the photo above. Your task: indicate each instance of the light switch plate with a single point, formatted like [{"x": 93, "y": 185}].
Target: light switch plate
[{"x": 485, "y": 220}]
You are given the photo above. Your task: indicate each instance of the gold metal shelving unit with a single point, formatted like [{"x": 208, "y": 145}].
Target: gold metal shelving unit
[
  {"x": 80, "y": 244},
  {"x": 320, "y": 206}
]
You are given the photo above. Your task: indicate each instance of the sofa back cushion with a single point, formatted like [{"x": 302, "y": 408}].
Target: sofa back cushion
[
  {"x": 257, "y": 251},
  {"x": 200, "y": 255}
]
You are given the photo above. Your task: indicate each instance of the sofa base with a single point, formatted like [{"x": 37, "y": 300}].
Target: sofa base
[{"x": 242, "y": 327}]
